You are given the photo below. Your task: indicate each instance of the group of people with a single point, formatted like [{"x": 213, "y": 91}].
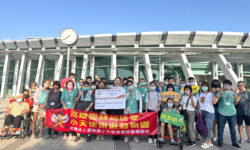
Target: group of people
[{"x": 218, "y": 105}]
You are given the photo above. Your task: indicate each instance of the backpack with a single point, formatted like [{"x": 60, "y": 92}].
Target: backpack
[{"x": 200, "y": 125}]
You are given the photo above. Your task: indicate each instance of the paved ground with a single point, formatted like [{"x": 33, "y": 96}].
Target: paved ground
[{"x": 107, "y": 144}]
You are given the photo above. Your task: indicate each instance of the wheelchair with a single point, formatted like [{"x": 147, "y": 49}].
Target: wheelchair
[{"x": 23, "y": 131}]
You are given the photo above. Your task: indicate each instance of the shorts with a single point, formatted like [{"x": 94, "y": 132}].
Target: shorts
[
  {"x": 216, "y": 114},
  {"x": 41, "y": 113},
  {"x": 35, "y": 108},
  {"x": 240, "y": 119}
]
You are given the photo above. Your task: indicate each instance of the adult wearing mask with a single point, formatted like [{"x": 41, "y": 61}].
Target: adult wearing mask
[
  {"x": 85, "y": 101},
  {"x": 39, "y": 107},
  {"x": 205, "y": 106},
  {"x": 132, "y": 98},
  {"x": 54, "y": 102},
  {"x": 68, "y": 99},
  {"x": 243, "y": 110},
  {"x": 143, "y": 90},
  {"x": 153, "y": 102},
  {"x": 187, "y": 107},
  {"x": 227, "y": 112}
]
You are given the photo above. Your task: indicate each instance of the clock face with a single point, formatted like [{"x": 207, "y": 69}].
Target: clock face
[{"x": 69, "y": 36}]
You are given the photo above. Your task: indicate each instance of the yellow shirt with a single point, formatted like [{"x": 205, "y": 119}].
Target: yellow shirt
[{"x": 17, "y": 108}]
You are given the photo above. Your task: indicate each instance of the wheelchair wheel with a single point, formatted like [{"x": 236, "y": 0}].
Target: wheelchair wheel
[
  {"x": 158, "y": 144},
  {"x": 28, "y": 127}
]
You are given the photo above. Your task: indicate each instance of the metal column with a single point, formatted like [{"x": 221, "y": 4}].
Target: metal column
[
  {"x": 227, "y": 69},
  {"x": 84, "y": 66},
  {"x": 148, "y": 67},
  {"x": 161, "y": 69},
  {"x": 215, "y": 70},
  {"x": 14, "y": 87},
  {"x": 186, "y": 66},
  {"x": 5, "y": 76},
  {"x": 39, "y": 67},
  {"x": 92, "y": 67},
  {"x": 27, "y": 80},
  {"x": 136, "y": 70},
  {"x": 113, "y": 66},
  {"x": 58, "y": 68},
  {"x": 73, "y": 67},
  {"x": 240, "y": 71},
  {"x": 21, "y": 75}
]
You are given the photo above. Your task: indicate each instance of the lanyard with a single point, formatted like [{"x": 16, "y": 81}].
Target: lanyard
[
  {"x": 69, "y": 95},
  {"x": 227, "y": 96}
]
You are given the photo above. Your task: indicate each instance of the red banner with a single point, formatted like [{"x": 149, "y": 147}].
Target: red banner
[{"x": 96, "y": 123}]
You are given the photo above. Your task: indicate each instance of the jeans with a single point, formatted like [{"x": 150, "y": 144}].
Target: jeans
[
  {"x": 209, "y": 120},
  {"x": 221, "y": 125}
]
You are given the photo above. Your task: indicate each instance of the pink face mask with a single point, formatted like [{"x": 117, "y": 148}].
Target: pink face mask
[
  {"x": 70, "y": 87},
  {"x": 187, "y": 92}
]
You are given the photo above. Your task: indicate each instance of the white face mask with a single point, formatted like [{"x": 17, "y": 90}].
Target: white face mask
[
  {"x": 131, "y": 87},
  {"x": 46, "y": 85}
]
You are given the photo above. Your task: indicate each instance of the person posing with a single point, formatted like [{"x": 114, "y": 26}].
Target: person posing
[
  {"x": 32, "y": 89},
  {"x": 153, "y": 102},
  {"x": 169, "y": 108},
  {"x": 187, "y": 105},
  {"x": 132, "y": 98},
  {"x": 68, "y": 98},
  {"x": 143, "y": 91},
  {"x": 54, "y": 102},
  {"x": 227, "y": 112},
  {"x": 85, "y": 101},
  {"x": 14, "y": 115},
  {"x": 205, "y": 106},
  {"x": 39, "y": 107},
  {"x": 243, "y": 110}
]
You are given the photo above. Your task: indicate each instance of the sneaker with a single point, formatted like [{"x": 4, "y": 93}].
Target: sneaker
[
  {"x": 64, "y": 138},
  {"x": 172, "y": 142},
  {"x": 77, "y": 139},
  {"x": 70, "y": 138},
  {"x": 214, "y": 139},
  {"x": 126, "y": 139},
  {"x": 98, "y": 138},
  {"x": 150, "y": 140},
  {"x": 33, "y": 137},
  {"x": 102, "y": 137},
  {"x": 88, "y": 138},
  {"x": 205, "y": 146},
  {"x": 161, "y": 139},
  {"x": 241, "y": 141},
  {"x": 236, "y": 145},
  {"x": 136, "y": 139},
  {"x": 192, "y": 143},
  {"x": 248, "y": 140}
]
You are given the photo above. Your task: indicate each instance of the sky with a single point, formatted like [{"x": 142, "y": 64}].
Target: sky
[{"x": 20, "y": 19}]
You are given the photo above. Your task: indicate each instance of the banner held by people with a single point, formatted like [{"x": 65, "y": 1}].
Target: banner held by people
[{"x": 96, "y": 123}]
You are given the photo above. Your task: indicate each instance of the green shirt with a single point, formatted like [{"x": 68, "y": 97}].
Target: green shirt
[
  {"x": 226, "y": 104},
  {"x": 143, "y": 92},
  {"x": 69, "y": 98}
]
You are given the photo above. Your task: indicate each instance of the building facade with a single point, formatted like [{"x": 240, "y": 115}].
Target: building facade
[{"x": 151, "y": 55}]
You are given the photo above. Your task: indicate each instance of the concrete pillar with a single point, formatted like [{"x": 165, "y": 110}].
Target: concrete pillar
[
  {"x": 148, "y": 67},
  {"x": 5, "y": 76}
]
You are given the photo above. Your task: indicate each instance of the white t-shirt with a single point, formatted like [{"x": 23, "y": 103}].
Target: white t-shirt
[
  {"x": 184, "y": 102},
  {"x": 206, "y": 102},
  {"x": 153, "y": 98}
]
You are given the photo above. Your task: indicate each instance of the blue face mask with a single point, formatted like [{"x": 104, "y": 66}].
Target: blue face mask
[
  {"x": 166, "y": 83},
  {"x": 182, "y": 85},
  {"x": 204, "y": 89},
  {"x": 19, "y": 100},
  {"x": 142, "y": 83},
  {"x": 170, "y": 105},
  {"x": 85, "y": 88},
  {"x": 111, "y": 86}
]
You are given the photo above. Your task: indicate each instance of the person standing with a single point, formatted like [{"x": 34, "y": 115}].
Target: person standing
[
  {"x": 39, "y": 107},
  {"x": 68, "y": 99},
  {"x": 54, "y": 102},
  {"x": 143, "y": 91},
  {"x": 243, "y": 110},
  {"x": 227, "y": 113}
]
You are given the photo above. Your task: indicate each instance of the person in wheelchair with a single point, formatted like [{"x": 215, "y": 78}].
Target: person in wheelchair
[
  {"x": 14, "y": 115},
  {"x": 170, "y": 107}
]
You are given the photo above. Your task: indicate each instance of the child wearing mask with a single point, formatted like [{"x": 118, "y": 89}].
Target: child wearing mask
[
  {"x": 153, "y": 102},
  {"x": 143, "y": 91},
  {"x": 168, "y": 107},
  {"x": 68, "y": 98}
]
